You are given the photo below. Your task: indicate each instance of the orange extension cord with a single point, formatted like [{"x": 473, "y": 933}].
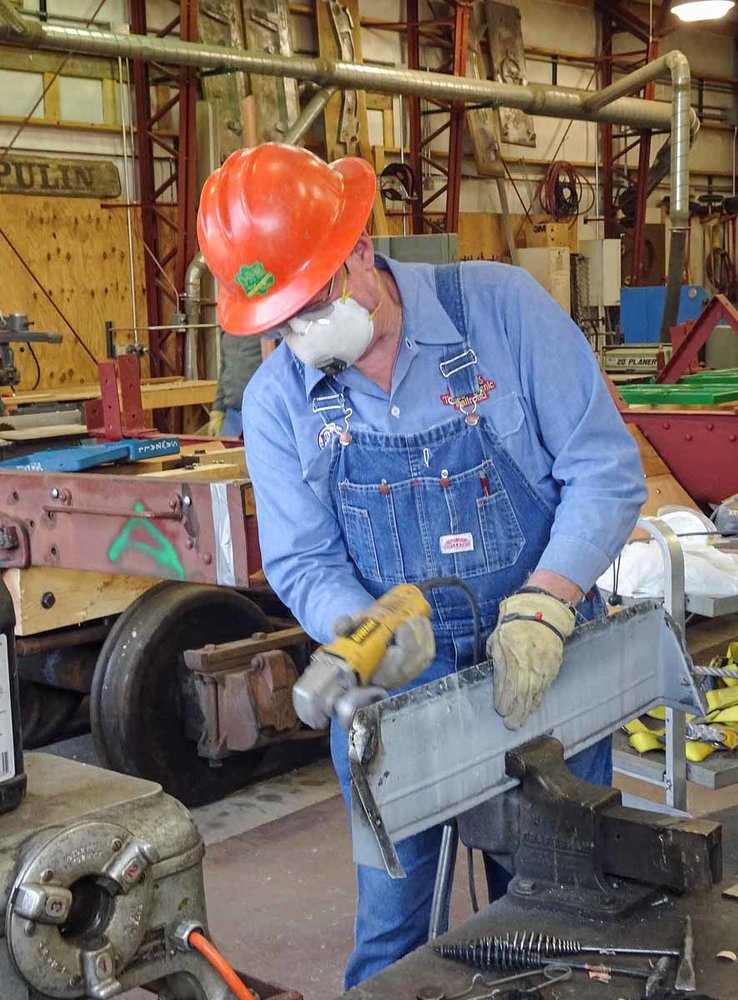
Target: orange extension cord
[{"x": 211, "y": 953}]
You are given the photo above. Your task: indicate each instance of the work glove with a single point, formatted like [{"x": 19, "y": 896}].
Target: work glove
[
  {"x": 411, "y": 651},
  {"x": 527, "y": 648},
  {"x": 215, "y": 424}
]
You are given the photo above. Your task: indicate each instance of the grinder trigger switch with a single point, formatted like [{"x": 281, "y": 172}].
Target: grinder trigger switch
[{"x": 389, "y": 645}]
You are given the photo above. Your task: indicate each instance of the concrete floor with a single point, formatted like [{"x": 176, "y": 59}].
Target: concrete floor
[{"x": 280, "y": 882}]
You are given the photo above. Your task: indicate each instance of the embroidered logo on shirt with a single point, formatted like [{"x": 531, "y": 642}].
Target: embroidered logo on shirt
[
  {"x": 456, "y": 543},
  {"x": 486, "y": 385},
  {"x": 327, "y": 433}
]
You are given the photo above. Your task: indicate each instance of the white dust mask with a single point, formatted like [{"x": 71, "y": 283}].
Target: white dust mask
[{"x": 333, "y": 336}]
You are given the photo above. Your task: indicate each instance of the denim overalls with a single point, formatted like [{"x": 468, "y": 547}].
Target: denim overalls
[{"x": 449, "y": 501}]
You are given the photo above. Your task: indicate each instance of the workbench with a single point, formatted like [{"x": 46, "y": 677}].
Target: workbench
[{"x": 715, "y": 922}]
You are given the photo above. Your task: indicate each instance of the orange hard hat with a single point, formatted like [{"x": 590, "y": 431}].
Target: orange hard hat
[{"x": 275, "y": 223}]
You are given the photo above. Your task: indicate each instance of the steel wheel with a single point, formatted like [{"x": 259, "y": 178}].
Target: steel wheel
[{"x": 144, "y": 712}]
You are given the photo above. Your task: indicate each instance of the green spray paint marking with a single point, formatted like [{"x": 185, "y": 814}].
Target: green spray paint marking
[{"x": 164, "y": 553}]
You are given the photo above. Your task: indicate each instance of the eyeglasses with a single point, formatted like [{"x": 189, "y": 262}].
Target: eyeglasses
[
  {"x": 310, "y": 311},
  {"x": 318, "y": 304},
  {"x": 324, "y": 299}
]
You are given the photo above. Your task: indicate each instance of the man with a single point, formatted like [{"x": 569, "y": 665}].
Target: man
[
  {"x": 416, "y": 422},
  {"x": 239, "y": 359}
]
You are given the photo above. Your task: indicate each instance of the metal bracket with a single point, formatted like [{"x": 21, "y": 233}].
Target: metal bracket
[
  {"x": 15, "y": 545},
  {"x": 432, "y": 753}
]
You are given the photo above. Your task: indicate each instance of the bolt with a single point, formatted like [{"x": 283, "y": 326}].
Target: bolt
[
  {"x": 117, "y": 844},
  {"x": 189, "y": 544},
  {"x": 55, "y": 494},
  {"x": 48, "y": 600},
  {"x": 75, "y": 981},
  {"x": 207, "y": 558},
  {"x": 47, "y": 875},
  {"x": 187, "y": 502},
  {"x": 173, "y": 504},
  {"x": 525, "y": 886},
  {"x": 30, "y": 929}
]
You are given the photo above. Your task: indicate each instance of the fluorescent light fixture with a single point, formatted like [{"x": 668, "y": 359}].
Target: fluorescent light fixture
[{"x": 701, "y": 10}]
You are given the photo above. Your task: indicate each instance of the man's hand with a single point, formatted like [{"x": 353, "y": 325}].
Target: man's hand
[
  {"x": 411, "y": 651},
  {"x": 527, "y": 648},
  {"x": 215, "y": 424}
]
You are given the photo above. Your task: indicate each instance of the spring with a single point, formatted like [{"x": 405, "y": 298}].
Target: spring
[{"x": 524, "y": 950}]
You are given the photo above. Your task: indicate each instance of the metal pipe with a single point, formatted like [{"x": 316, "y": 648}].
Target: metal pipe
[
  {"x": 297, "y": 130},
  {"x": 82, "y": 635},
  {"x": 125, "y": 116},
  {"x": 191, "y": 302},
  {"x": 683, "y": 120},
  {"x": 684, "y": 123},
  {"x": 555, "y": 102}
]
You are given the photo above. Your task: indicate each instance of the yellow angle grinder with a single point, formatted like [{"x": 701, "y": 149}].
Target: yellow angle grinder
[{"x": 344, "y": 674}]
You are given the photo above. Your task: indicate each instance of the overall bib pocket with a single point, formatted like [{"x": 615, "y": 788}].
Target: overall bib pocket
[{"x": 461, "y": 525}]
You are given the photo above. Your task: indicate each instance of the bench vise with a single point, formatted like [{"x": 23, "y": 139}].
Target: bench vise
[{"x": 574, "y": 846}]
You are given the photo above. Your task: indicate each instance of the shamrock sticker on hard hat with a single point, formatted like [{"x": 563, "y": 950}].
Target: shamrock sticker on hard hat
[{"x": 254, "y": 279}]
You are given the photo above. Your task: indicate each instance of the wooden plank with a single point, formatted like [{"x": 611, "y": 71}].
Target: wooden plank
[
  {"x": 189, "y": 457},
  {"x": 79, "y": 255},
  {"x": 711, "y": 637},
  {"x": 662, "y": 491},
  {"x": 208, "y": 471},
  {"x": 653, "y": 464},
  {"x": 156, "y": 395},
  {"x": 79, "y": 596},
  {"x": 44, "y": 433}
]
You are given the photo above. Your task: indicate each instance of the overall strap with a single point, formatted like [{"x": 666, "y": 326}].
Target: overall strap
[{"x": 459, "y": 366}]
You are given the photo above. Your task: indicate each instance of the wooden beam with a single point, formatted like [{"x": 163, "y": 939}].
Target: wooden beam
[
  {"x": 157, "y": 396},
  {"x": 79, "y": 596}
]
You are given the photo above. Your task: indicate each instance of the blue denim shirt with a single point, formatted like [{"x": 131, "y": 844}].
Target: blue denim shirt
[{"x": 546, "y": 399}]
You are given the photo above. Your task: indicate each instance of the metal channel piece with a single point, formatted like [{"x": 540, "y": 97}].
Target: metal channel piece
[{"x": 429, "y": 754}]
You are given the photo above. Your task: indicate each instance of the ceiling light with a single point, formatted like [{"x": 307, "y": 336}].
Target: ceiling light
[{"x": 701, "y": 10}]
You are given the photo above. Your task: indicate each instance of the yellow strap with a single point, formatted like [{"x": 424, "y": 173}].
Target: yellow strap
[
  {"x": 731, "y": 662},
  {"x": 728, "y": 716},
  {"x": 637, "y": 726},
  {"x": 660, "y": 714},
  {"x": 645, "y": 741},
  {"x": 722, "y": 698}
]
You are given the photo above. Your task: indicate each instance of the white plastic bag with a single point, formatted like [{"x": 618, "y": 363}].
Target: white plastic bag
[{"x": 708, "y": 572}]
